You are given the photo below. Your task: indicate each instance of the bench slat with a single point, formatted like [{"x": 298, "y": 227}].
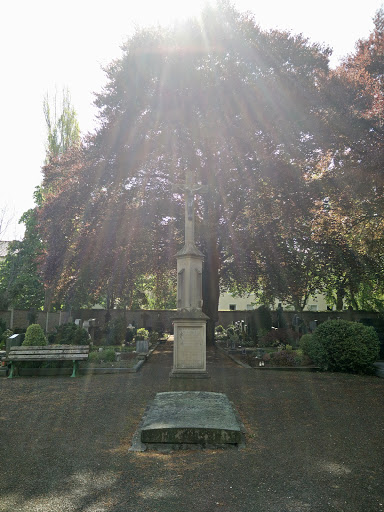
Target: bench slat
[
  {"x": 74, "y": 353},
  {"x": 49, "y": 348},
  {"x": 47, "y": 357},
  {"x": 50, "y": 352}
]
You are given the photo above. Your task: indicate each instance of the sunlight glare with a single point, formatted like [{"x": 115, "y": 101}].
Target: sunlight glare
[{"x": 152, "y": 12}]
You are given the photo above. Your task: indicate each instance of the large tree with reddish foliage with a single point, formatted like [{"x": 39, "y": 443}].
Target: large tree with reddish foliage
[
  {"x": 349, "y": 230},
  {"x": 240, "y": 107}
]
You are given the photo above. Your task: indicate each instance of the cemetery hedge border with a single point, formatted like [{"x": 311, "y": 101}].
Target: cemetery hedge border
[{"x": 69, "y": 334}]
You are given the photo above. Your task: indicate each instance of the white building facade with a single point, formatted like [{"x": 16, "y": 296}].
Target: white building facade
[{"x": 229, "y": 302}]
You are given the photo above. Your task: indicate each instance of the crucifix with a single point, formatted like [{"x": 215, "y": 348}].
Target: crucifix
[
  {"x": 190, "y": 190},
  {"x": 189, "y": 349}
]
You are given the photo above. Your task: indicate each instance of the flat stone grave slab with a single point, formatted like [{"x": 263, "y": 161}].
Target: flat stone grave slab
[{"x": 191, "y": 418}]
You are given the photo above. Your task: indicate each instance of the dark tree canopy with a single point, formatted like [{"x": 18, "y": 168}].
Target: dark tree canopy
[
  {"x": 349, "y": 231},
  {"x": 256, "y": 115}
]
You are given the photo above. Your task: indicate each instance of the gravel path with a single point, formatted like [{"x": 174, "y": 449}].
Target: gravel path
[{"x": 315, "y": 442}]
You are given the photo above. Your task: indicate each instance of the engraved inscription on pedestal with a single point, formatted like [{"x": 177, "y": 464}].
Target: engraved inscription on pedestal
[{"x": 190, "y": 350}]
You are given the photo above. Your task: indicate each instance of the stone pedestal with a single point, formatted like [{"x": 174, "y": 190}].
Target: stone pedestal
[{"x": 189, "y": 351}]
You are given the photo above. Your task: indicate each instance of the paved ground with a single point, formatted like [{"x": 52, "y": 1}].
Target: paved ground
[{"x": 315, "y": 442}]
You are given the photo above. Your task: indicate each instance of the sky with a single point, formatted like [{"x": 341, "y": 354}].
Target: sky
[{"x": 48, "y": 45}]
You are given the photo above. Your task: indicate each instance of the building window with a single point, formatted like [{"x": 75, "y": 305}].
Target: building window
[
  {"x": 312, "y": 307},
  {"x": 250, "y": 307},
  {"x": 232, "y": 307}
]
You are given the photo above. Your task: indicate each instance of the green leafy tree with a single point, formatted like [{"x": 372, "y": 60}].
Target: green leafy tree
[
  {"x": 63, "y": 130},
  {"x": 20, "y": 283}
]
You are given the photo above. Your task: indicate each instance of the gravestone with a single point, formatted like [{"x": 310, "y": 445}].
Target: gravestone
[
  {"x": 313, "y": 325},
  {"x": 189, "y": 352},
  {"x": 13, "y": 341},
  {"x": 142, "y": 346},
  {"x": 180, "y": 420}
]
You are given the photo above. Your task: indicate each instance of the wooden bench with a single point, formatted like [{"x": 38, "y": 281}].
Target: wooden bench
[{"x": 74, "y": 353}]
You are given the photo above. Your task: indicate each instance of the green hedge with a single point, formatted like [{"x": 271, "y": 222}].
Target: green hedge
[
  {"x": 115, "y": 332},
  {"x": 69, "y": 334},
  {"x": 342, "y": 346}
]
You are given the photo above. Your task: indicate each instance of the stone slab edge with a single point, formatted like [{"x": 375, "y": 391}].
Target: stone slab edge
[
  {"x": 138, "y": 446},
  {"x": 379, "y": 365}
]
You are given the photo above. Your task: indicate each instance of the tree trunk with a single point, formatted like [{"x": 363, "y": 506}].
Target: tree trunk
[
  {"x": 211, "y": 268},
  {"x": 353, "y": 300},
  {"x": 48, "y": 295},
  {"x": 340, "y": 294},
  {"x": 297, "y": 304},
  {"x": 211, "y": 294}
]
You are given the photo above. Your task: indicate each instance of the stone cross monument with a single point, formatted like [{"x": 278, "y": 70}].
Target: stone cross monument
[{"x": 189, "y": 352}]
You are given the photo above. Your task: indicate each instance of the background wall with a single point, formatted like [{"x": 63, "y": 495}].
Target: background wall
[{"x": 162, "y": 319}]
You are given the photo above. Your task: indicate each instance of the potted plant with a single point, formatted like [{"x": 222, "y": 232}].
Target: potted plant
[{"x": 141, "y": 334}]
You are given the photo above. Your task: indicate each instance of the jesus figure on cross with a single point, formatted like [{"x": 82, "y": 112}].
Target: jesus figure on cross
[{"x": 189, "y": 189}]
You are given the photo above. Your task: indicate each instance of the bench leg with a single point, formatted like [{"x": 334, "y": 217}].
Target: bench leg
[
  {"x": 75, "y": 368},
  {"x": 12, "y": 371}
]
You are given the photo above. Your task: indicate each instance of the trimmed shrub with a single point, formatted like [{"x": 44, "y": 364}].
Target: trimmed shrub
[
  {"x": 316, "y": 353},
  {"x": 343, "y": 346},
  {"x": 103, "y": 356},
  {"x": 115, "y": 332},
  {"x": 6, "y": 334},
  {"x": 35, "y": 336},
  {"x": 69, "y": 334},
  {"x": 304, "y": 343},
  {"x": 129, "y": 335}
]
